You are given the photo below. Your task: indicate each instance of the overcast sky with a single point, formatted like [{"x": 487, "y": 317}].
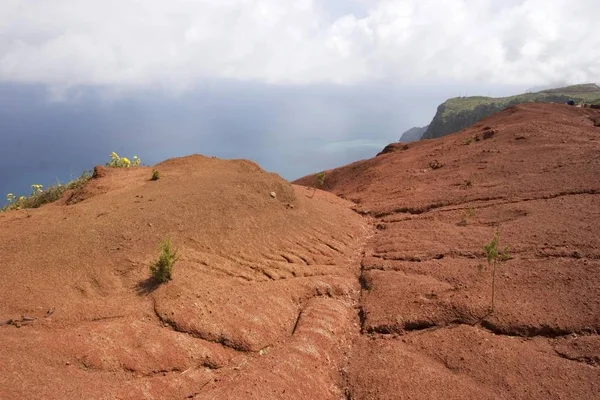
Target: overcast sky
[
  {"x": 336, "y": 78},
  {"x": 174, "y": 43}
]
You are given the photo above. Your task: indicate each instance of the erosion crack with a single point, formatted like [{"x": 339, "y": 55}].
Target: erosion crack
[
  {"x": 332, "y": 247},
  {"x": 409, "y": 258},
  {"x": 297, "y": 322},
  {"x": 406, "y": 328},
  {"x": 193, "y": 395},
  {"x": 221, "y": 340},
  {"x": 409, "y": 210},
  {"x": 534, "y": 331},
  {"x": 435, "y": 206},
  {"x": 590, "y": 360}
]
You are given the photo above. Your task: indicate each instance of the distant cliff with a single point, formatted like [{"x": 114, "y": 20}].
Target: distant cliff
[
  {"x": 460, "y": 112},
  {"x": 413, "y": 134}
]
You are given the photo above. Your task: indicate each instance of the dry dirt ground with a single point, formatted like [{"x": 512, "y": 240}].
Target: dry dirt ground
[
  {"x": 426, "y": 331},
  {"x": 380, "y": 293},
  {"x": 262, "y": 304}
]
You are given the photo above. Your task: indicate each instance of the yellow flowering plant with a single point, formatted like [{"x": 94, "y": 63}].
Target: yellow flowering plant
[
  {"x": 36, "y": 189},
  {"x": 122, "y": 162},
  {"x": 14, "y": 200}
]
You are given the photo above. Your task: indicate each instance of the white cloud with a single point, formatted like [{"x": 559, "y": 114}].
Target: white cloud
[{"x": 176, "y": 43}]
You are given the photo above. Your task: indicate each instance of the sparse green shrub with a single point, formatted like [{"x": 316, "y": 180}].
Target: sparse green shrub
[
  {"x": 122, "y": 162},
  {"x": 40, "y": 196},
  {"x": 79, "y": 182},
  {"x": 319, "y": 182},
  {"x": 494, "y": 255},
  {"x": 155, "y": 175},
  {"x": 162, "y": 269}
]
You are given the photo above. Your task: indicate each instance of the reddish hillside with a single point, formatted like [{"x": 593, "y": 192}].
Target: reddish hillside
[
  {"x": 261, "y": 302},
  {"x": 534, "y": 172}
]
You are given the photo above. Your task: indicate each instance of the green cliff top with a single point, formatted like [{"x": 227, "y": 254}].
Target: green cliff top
[{"x": 589, "y": 93}]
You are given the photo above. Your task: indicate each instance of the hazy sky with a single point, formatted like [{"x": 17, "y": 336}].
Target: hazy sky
[{"x": 296, "y": 85}]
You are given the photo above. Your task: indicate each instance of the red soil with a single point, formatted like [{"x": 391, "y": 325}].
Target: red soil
[
  {"x": 299, "y": 297},
  {"x": 262, "y": 296},
  {"x": 532, "y": 170}
]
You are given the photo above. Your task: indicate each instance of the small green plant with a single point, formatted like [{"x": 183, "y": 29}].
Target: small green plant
[
  {"x": 469, "y": 213},
  {"x": 162, "y": 269},
  {"x": 319, "y": 182},
  {"x": 122, "y": 162},
  {"x": 155, "y": 175},
  {"x": 320, "y": 179},
  {"x": 79, "y": 182},
  {"x": 494, "y": 255}
]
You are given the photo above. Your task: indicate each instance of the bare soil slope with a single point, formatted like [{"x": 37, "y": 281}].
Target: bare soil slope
[
  {"x": 261, "y": 305},
  {"x": 295, "y": 296},
  {"x": 426, "y": 330}
]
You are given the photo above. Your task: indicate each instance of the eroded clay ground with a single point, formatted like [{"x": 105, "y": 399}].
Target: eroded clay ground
[{"x": 534, "y": 172}]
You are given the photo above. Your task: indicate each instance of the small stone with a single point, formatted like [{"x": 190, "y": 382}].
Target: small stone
[
  {"x": 488, "y": 133},
  {"x": 435, "y": 164},
  {"x": 273, "y": 195}
]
